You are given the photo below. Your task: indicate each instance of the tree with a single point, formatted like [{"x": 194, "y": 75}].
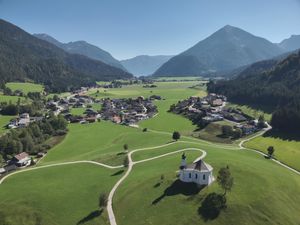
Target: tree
[
  {"x": 176, "y": 135},
  {"x": 125, "y": 147},
  {"x": 237, "y": 133},
  {"x": 227, "y": 130},
  {"x": 261, "y": 121},
  {"x": 271, "y": 151},
  {"x": 224, "y": 179},
  {"x": 103, "y": 199},
  {"x": 126, "y": 161}
]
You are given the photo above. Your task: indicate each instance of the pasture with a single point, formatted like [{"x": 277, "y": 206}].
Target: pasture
[
  {"x": 65, "y": 195},
  {"x": 287, "y": 149},
  {"x": 25, "y": 87}
]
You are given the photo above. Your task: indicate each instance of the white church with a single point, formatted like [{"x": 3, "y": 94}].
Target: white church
[{"x": 198, "y": 172}]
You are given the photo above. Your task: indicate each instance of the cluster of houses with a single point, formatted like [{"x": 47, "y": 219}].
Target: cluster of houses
[
  {"x": 212, "y": 108},
  {"x": 21, "y": 121},
  {"x": 128, "y": 111}
]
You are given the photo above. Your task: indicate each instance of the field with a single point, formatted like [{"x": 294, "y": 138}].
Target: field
[
  {"x": 258, "y": 196},
  {"x": 3, "y": 121},
  {"x": 178, "y": 78},
  {"x": 287, "y": 149},
  {"x": 12, "y": 99},
  {"x": 56, "y": 195},
  {"x": 263, "y": 192},
  {"x": 25, "y": 87}
]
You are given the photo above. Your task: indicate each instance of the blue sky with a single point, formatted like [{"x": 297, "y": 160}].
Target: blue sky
[{"x": 127, "y": 28}]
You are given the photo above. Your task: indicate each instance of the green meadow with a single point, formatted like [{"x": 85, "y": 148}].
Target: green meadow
[
  {"x": 258, "y": 195},
  {"x": 25, "y": 87},
  {"x": 4, "y": 121},
  {"x": 287, "y": 149},
  {"x": 65, "y": 195},
  {"x": 12, "y": 99}
]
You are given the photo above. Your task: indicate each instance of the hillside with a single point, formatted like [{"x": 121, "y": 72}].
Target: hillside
[
  {"x": 269, "y": 83},
  {"x": 144, "y": 65},
  {"x": 83, "y": 48},
  {"x": 291, "y": 43},
  {"x": 226, "y": 49},
  {"x": 25, "y": 57}
]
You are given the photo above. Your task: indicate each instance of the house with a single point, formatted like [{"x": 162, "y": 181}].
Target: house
[
  {"x": 21, "y": 159},
  {"x": 198, "y": 172},
  {"x": 24, "y": 120},
  {"x": 217, "y": 102}
]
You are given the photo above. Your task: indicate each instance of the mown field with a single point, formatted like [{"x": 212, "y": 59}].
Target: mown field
[
  {"x": 65, "y": 195},
  {"x": 25, "y": 87},
  {"x": 287, "y": 148}
]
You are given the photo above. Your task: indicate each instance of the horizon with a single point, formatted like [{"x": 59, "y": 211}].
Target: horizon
[{"x": 178, "y": 25}]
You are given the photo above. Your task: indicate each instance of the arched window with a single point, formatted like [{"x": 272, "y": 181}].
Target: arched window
[
  {"x": 203, "y": 176},
  {"x": 196, "y": 176},
  {"x": 190, "y": 175}
]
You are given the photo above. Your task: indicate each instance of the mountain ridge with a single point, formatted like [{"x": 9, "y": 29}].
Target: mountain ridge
[
  {"x": 83, "y": 48},
  {"x": 226, "y": 49},
  {"x": 24, "y": 57}
]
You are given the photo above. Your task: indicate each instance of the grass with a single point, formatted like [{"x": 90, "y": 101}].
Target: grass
[
  {"x": 3, "y": 121},
  {"x": 25, "y": 87},
  {"x": 287, "y": 149},
  {"x": 178, "y": 78},
  {"x": 56, "y": 195},
  {"x": 102, "y": 142},
  {"x": 12, "y": 99},
  {"x": 253, "y": 111},
  {"x": 258, "y": 196}
]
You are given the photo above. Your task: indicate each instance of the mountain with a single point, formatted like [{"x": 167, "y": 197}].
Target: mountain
[
  {"x": 291, "y": 43},
  {"x": 224, "y": 50},
  {"x": 83, "y": 48},
  {"x": 270, "y": 83},
  {"x": 144, "y": 65},
  {"x": 25, "y": 57}
]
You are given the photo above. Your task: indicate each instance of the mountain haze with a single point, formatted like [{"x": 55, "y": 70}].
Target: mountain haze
[
  {"x": 291, "y": 44},
  {"x": 83, "y": 48},
  {"x": 144, "y": 65},
  {"x": 24, "y": 57},
  {"x": 224, "y": 50}
]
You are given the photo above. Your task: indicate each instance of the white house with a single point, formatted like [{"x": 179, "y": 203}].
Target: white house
[{"x": 198, "y": 172}]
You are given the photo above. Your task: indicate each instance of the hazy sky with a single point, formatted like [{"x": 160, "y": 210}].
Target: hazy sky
[{"x": 127, "y": 28}]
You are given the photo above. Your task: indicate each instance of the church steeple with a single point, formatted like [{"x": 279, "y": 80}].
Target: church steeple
[{"x": 183, "y": 161}]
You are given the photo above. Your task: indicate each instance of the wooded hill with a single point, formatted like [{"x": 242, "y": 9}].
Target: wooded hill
[
  {"x": 25, "y": 57},
  {"x": 274, "y": 83}
]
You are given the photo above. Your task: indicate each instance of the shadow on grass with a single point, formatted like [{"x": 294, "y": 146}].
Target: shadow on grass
[
  {"x": 91, "y": 216},
  {"x": 118, "y": 173},
  {"x": 282, "y": 135},
  {"x": 157, "y": 185},
  {"x": 211, "y": 206},
  {"x": 179, "y": 187},
  {"x": 121, "y": 153}
]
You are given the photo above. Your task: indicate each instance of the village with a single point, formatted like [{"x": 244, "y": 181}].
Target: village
[{"x": 212, "y": 108}]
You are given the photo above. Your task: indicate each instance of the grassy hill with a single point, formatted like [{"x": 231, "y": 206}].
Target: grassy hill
[
  {"x": 258, "y": 196},
  {"x": 57, "y": 195},
  {"x": 286, "y": 147}
]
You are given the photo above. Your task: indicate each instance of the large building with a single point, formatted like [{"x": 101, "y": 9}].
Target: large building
[{"x": 198, "y": 172}]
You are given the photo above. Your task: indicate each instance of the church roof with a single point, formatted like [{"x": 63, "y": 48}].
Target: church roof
[{"x": 200, "y": 165}]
